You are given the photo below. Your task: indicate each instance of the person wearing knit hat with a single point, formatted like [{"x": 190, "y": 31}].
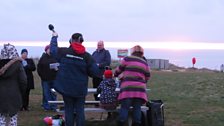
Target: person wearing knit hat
[
  {"x": 29, "y": 66},
  {"x": 47, "y": 75},
  {"x": 24, "y": 51},
  {"x": 106, "y": 89},
  {"x": 108, "y": 74},
  {"x": 46, "y": 48},
  {"x": 13, "y": 84}
]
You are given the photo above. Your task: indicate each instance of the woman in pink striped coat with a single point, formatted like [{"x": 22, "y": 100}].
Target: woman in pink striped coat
[{"x": 135, "y": 74}]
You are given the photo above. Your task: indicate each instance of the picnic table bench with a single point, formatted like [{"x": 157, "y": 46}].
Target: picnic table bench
[{"x": 98, "y": 109}]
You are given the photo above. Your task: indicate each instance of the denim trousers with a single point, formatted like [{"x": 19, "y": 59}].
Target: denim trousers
[
  {"x": 74, "y": 104},
  {"x": 136, "y": 111},
  {"x": 48, "y": 95}
]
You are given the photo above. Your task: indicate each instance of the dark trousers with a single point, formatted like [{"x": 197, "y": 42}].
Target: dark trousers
[
  {"x": 74, "y": 104},
  {"x": 26, "y": 99},
  {"x": 96, "y": 83}
]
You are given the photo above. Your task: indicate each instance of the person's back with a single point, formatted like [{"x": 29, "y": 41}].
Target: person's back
[
  {"x": 74, "y": 69},
  {"x": 135, "y": 74},
  {"x": 76, "y": 65},
  {"x": 134, "y": 78},
  {"x": 107, "y": 87},
  {"x": 13, "y": 83}
]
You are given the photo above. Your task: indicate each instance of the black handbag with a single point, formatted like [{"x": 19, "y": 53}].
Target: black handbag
[{"x": 155, "y": 113}]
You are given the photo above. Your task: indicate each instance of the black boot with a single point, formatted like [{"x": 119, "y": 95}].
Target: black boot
[
  {"x": 136, "y": 124},
  {"x": 119, "y": 123}
]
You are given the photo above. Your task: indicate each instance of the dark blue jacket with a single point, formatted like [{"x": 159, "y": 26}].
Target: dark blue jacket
[
  {"x": 107, "y": 91},
  {"x": 74, "y": 69},
  {"x": 103, "y": 58}
]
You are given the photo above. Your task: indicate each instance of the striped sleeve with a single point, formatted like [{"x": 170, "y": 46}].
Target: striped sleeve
[{"x": 120, "y": 68}]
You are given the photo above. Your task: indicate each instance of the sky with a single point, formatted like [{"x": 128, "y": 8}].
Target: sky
[
  {"x": 113, "y": 20},
  {"x": 187, "y": 28}
]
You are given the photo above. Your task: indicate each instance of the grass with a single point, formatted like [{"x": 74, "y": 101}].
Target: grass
[{"x": 191, "y": 99}]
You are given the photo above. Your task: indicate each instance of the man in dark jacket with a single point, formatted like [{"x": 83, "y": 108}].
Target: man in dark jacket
[
  {"x": 29, "y": 67},
  {"x": 13, "y": 83},
  {"x": 72, "y": 77},
  {"x": 47, "y": 75},
  {"x": 103, "y": 59}
]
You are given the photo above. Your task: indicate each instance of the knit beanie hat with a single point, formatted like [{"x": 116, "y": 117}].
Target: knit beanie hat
[
  {"x": 46, "y": 48},
  {"x": 108, "y": 74},
  {"x": 8, "y": 52},
  {"x": 24, "y": 50}
]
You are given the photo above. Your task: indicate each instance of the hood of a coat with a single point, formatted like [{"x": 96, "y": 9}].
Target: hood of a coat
[
  {"x": 110, "y": 82},
  {"x": 5, "y": 64},
  {"x": 78, "y": 48}
]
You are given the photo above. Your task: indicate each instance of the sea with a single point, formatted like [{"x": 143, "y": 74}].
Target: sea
[{"x": 211, "y": 59}]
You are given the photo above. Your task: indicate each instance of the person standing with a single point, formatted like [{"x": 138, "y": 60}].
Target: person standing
[
  {"x": 29, "y": 67},
  {"x": 47, "y": 75},
  {"x": 103, "y": 59},
  {"x": 222, "y": 68},
  {"x": 76, "y": 65},
  {"x": 136, "y": 73},
  {"x": 13, "y": 83}
]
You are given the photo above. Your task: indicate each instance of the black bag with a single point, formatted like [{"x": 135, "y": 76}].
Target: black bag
[{"x": 155, "y": 113}]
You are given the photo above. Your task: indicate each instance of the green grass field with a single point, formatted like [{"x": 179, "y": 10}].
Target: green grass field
[{"x": 191, "y": 99}]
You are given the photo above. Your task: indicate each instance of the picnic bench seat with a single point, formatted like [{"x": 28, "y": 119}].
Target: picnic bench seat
[{"x": 98, "y": 109}]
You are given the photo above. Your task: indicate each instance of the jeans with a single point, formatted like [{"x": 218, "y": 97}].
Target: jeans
[
  {"x": 74, "y": 104},
  {"x": 125, "y": 106},
  {"x": 48, "y": 95}
]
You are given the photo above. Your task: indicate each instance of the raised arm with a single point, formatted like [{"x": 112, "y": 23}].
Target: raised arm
[{"x": 54, "y": 45}]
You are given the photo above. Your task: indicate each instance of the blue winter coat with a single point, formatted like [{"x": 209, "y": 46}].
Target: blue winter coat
[{"x": 74, "y": 69}]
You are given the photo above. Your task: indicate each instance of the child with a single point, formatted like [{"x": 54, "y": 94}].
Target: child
[{"x": 108, "y": 96}]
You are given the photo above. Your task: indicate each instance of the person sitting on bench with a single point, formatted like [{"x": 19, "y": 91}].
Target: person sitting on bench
[{"x": 106, "y": 89}]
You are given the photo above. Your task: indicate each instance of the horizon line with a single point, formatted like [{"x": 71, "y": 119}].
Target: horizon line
[{"x": 171, "y": 45}]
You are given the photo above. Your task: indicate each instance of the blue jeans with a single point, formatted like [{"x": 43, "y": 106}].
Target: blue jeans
[
  {"x": 48, "y": 95},
  {"x": 125, "y": 106},
  {"x": 74, "y": 104}
]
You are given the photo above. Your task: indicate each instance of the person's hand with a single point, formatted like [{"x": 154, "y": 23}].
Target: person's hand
[{"x": 55, "y": 34}]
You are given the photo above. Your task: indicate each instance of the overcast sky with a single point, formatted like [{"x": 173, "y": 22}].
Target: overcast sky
[{"x": 113, "y": 20}]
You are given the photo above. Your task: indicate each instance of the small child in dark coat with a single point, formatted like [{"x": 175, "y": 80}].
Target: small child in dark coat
[{"x": 108, "y": 96}]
